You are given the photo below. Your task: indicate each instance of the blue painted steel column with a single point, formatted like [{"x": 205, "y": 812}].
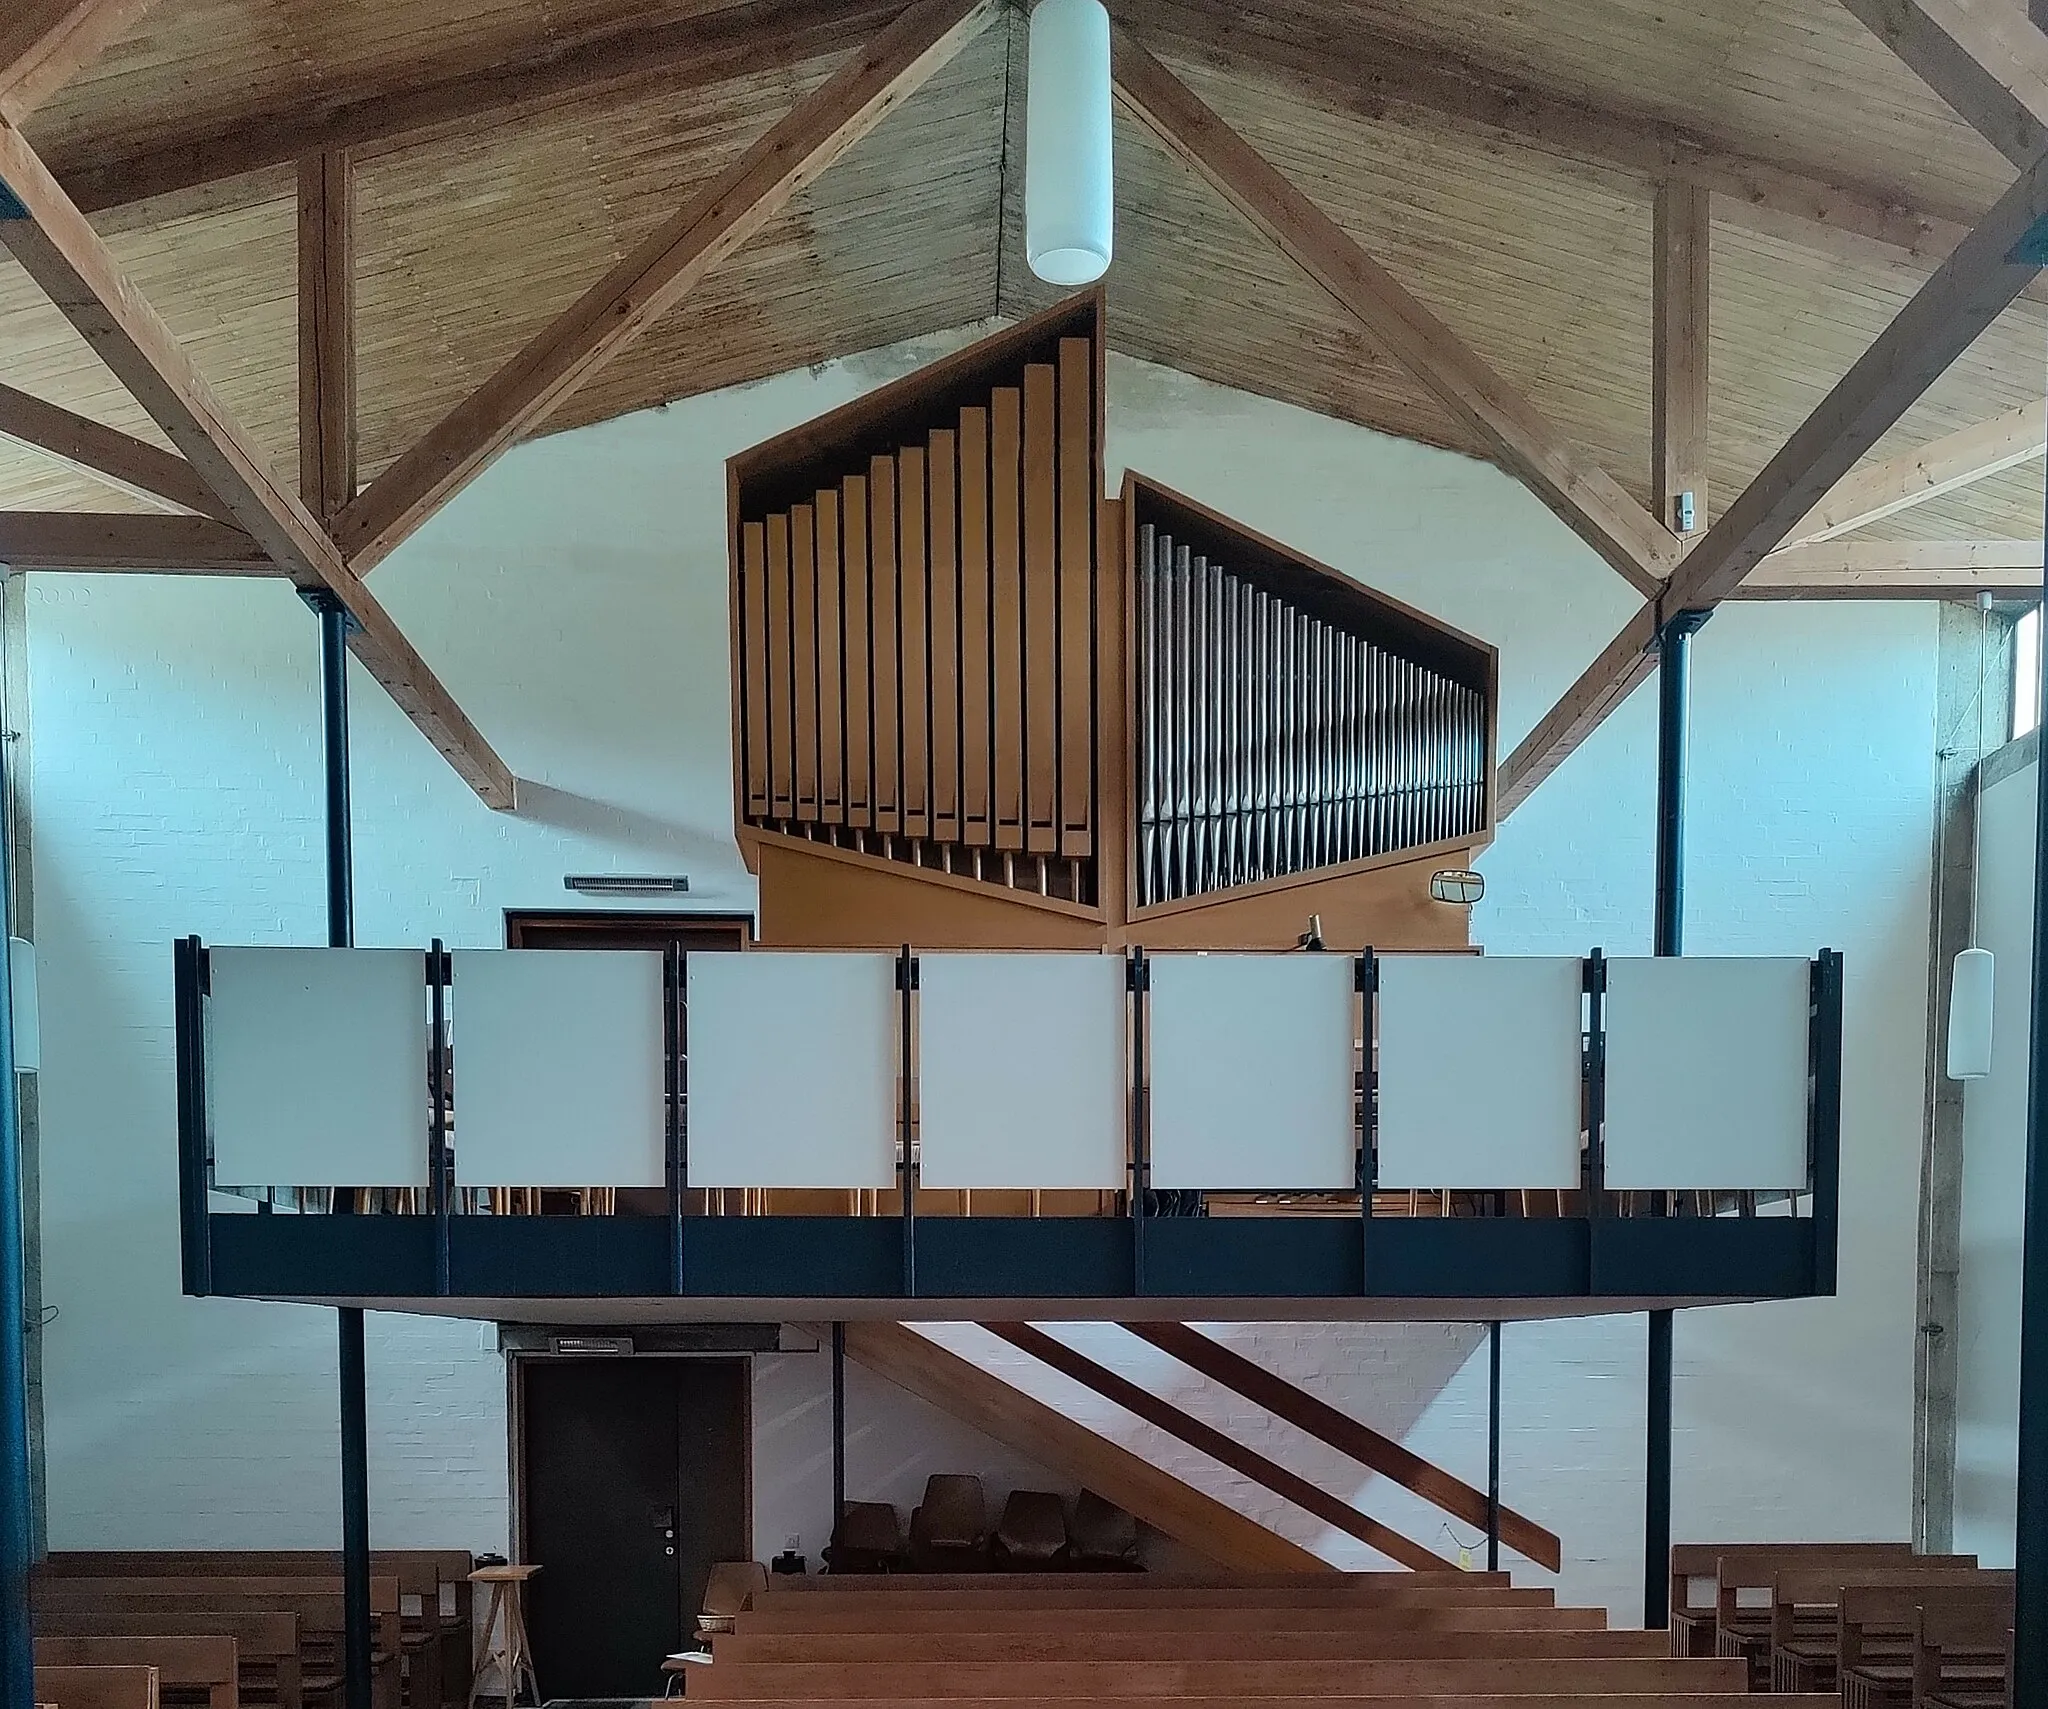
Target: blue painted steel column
[
  {"x": 1674, "y": 645},
  {"x": 17, "y": 1528},
  {"x": 1493, "y": 1446},
  {"x": 341, "y": 932},
  {"x": 2030, "y": 1524}
]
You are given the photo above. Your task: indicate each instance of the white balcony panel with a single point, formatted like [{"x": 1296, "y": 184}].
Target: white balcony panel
[
  {"x": 1479, "y": 1071},
  {"x": 558, "y": 1068},
  {"x": 316, "y": 1072},
  {"x": 1706, "y": 1073},
  {"x": 1021, "y": 1070},
  {"x": 1251, "y": 1064},
  {"x": 793, "y": 1059}
]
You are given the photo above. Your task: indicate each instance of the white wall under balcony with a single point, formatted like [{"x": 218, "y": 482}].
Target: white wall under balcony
[{"x": 574, "y": 602}]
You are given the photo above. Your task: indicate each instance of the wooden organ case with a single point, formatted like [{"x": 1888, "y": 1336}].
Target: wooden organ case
[{"x": 976, "y": 704}]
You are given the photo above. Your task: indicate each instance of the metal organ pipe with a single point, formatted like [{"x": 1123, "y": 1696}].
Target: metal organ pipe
[{"x": 1275, "y": 740}]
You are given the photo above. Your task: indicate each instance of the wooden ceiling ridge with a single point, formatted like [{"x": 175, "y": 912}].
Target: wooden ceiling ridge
[
  {"x": 1582, "y": 495},
  {"x": 72, "y": 266},
  {"x": 683, "y": 54},
  {"x": 657, "y": 274}
]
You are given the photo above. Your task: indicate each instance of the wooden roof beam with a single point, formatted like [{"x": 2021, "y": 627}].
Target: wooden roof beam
[
  {"x": 1679, "y": 242},
  {"x": 45, "y": 43},
  {"x": 682, "y": 54},
  {"x": 66, "y": 258},
  {"x": 1582, "y": 495},
  {"x": 122, "y": 461},
  {"x": 656, "y": 275},
  {"x": 166, "y": 545},
  {"x": 327, "y": 332},
  {"x": 1967, "y": 292},
  {"x": 1898, "y": 569},
  {"x": 1982, "y": 57},
  {"x": 1944, "y": 465},
  {"x": 1428, "y": 88}
]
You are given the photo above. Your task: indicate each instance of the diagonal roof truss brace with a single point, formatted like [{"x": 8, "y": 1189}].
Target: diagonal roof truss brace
[
  {"x": 1582, "y": 495},
  {"x": 656, "y": 275}
]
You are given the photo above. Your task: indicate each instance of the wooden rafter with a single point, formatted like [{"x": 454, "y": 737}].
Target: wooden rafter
[
  {"x": 1898, "y": 569},
  {"x": 66, "y": 258},
  {"x": 657, "y": 275},
  {"x": 82, "y": 540},
  {"x": 122, "y": 461},
  {"x": 1678, "y": 352},
  {"x": 45, "y": 43},
  {"x": 682, "y": 54},
  {"x": 1427, "y": 87},
  {"x": 327, "y": 337},
  {"x": 1584, "y": 496},
  {"x": 1913, "y": 477},
  {"x": 1980, "y": 56},
  {"x": 1969, "y": 291}
]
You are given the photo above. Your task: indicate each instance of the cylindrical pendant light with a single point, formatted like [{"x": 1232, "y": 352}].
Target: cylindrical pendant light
[
  {"x": 1969, "y": 1016},
  {"x": 1069, "y": 200}
]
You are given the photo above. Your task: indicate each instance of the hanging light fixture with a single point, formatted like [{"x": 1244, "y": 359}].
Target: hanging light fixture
[
  {"x": 1970, "y": 981},
  {"x": 1069, "y": 199}
]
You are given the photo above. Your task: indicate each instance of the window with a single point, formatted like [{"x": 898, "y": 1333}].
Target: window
[{"x": 2026, "y": 673}]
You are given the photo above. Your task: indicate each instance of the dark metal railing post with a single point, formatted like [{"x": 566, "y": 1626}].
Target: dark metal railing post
[
  {"x": 17, "y": 1496},
  {"x": 188, "y": 1009},
  {"x": 838, "y": 1426},
  {"x": 440, "y": 1166},
  {"x": 1493, "y": 1446},
  {"x": 341, "y": 927},
  {"x": 1825, "y": 1144},
  {"x": 906, "y": 985},
  {"x": 675, "y": 1041},
  {"x": 1674, "y": 647},
  {"x": 1596, "y": 1082},
  {"x": 1367, "y": 982},
  {"x": 2030, "y": 1519},
  {"x": 1138, "y": 981}
]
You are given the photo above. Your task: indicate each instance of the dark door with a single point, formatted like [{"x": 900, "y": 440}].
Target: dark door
[{"x": 633, "y": 1482}]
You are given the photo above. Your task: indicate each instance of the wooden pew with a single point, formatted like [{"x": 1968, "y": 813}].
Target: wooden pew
[
  {"x": 1742, "y": 1628},
  {"x": 1879, "y": 1633},
  {"x": 1957, "y": 1659},
  {"x": 182, "y": 1663},
  {"x": 1385, "y": 1643},
  {"x": 1082, "y": 1682},
  {"x": 125, "y": 1687},
  {"x": 1806, "y": 1609},
  {"x": 1697, "y": 1566},
  {"x": 316, "y": 1601},
  {"x": 436, "y": 1633},
  {"x": 266, "y": 1643}
]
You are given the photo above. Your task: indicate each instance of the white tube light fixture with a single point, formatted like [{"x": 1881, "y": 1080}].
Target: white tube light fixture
[
  {"x": 1069, "y": 190},
  {"x": 1969, "y": 1015}
]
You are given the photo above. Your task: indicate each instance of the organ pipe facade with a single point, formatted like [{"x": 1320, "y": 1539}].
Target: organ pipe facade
[{"x": 977, "y": 702}]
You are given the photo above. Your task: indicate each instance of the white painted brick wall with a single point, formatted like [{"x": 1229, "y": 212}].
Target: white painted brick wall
[{"x": 574, "y": 601}]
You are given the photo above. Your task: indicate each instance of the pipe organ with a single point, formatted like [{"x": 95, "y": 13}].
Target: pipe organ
[{"x": 976, "y": 703}]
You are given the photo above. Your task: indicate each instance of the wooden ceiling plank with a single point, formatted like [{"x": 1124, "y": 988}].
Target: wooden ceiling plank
[
  {"x": 1956, "y": 460},
  {"x": 73, "y": 268},
  {"x": 158, "y": 545},
  {"x": 1980, "y": 56},
  {"x": 1966, "y": 293},
  {"x": 45, "y": 43},
  {"x": 327, "y": 332},
  {"x": 657, "y": 274},
  {"x": 682, "y": 54},
  {"x": 1427, "y": 87},
  {"x": 122, "y": 461},
  {"x": 1680, "y": 227},
  {"x": 1582, "y": 495},
  {"x": 1898, "y": 569}
]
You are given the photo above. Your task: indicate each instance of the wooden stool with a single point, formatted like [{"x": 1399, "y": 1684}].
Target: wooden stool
[{"x": 508, "y": 1649}]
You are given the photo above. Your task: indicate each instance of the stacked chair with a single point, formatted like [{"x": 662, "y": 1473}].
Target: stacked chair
[{"x": 949, "y": 1533}]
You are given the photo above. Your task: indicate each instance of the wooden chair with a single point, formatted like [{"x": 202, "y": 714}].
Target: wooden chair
[
  {"x": 728, "y": 1592},
  {"x": 118, "y": 1687},
  {"x": 1806, "y": 1605},
  {"x": 183, "y": 1662}
]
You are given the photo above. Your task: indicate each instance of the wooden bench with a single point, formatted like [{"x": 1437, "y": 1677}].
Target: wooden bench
[
  {"x": 1880, "y": 1628},
  {"x": 122, "y": 1687},
  {"x": 182, "y": 1663},
  {"x": 433, "y": 1587},
  {"x": 1742, "y": 1628},
  {"x": 1806, "y": 1608},
  {"x": 1390, "y": 1642},
  {"x": 317, "y": 1602},
  {"x": 1082, "y": 1682},
  {"x": 1696, "y": 1567},
  {"x": 266, "y": 1644}
]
